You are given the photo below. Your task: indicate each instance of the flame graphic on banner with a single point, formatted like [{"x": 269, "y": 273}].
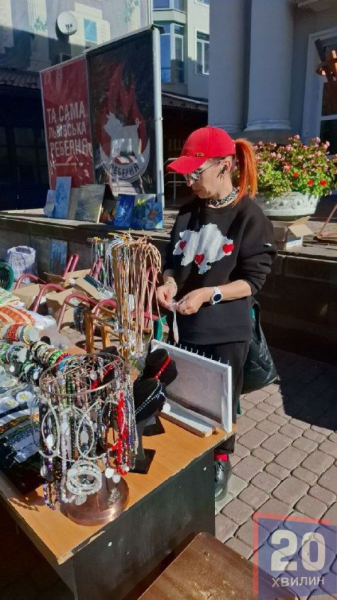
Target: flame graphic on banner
[{"x": 123, "y": 144}]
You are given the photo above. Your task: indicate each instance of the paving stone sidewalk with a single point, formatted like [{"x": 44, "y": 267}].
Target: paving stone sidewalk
[{"x": 286, "y": 453}]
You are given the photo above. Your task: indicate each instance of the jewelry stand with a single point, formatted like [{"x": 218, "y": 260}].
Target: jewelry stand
[
  {"x": 149, "y": 399},
  {"x": 97, "y": 509},
  {"x": 160, "y": 366},
  {"x": 86, "y": 401}
]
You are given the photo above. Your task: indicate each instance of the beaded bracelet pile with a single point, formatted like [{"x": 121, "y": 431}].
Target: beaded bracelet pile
[
  {"x": 12, "y": 354},
  {"x": 19, "y": 333}
]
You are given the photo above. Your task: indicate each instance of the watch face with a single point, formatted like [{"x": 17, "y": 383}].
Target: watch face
[{"x": 217, "y": 297}]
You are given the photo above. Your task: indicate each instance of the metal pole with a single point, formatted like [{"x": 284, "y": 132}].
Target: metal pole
[{"x": 158, "y": 119}]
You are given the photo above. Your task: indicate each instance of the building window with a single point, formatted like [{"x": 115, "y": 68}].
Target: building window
[
  {"x": 203, "y": 2},
  {"x": 165, "y": 47},
  {"x": 176, "y": 4},
  {"x": 202, "y": 66},
  {"x": 172, "y": 53},
  {"x": 178, "y": 54},
  {"x": 90, "y": 31},
  {"x": 328, "y": 131}
]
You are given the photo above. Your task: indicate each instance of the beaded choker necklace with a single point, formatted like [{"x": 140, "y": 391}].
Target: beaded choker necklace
[{"x": 223, "y": 201}]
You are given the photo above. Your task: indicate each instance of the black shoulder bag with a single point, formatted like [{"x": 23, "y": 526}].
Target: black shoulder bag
[{"x": 259, "y": 369}]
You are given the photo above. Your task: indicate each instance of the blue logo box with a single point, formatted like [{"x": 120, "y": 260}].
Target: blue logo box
[{"x": 293, "y": 554}]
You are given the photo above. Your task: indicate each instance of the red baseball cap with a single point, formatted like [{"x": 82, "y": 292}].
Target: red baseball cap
[{"x": 204, "y": 143}]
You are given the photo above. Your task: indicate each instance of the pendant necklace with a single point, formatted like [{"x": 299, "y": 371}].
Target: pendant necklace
[{"x": 223, "y": 201}]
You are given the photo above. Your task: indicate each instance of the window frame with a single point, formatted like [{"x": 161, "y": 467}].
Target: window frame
[
  {"x": 173, "y": 35},
  {"x": 172, "y": 7},
  {"x": 87, "y": 41},
  {"x": 203, "y": 43}
]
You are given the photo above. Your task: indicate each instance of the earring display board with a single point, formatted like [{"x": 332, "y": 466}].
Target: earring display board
[{"x": 201, "y": 395}]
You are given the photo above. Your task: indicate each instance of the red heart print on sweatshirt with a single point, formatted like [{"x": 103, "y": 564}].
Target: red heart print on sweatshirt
[
  {"x": 199, "y": 258},
  {"x": 228, "y": 248},
  {"x": 182, "y": 245}
]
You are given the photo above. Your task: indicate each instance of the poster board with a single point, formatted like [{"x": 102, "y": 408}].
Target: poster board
[
  {"x": 122, "y": 101},
  {"x": 67, "y": 122},
  {"x": 89, "y": 203},
  {"x": 62, "y": 197},
  {"x": 202, "y": 385}
]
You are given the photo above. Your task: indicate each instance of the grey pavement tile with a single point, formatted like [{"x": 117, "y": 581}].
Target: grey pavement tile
[
  {"x": 264, "y": 455},
  {"x": 290, "y": 490},
  {"x": 305, "y": 444},
  {"x": 268, "y": 427},
  {"x": 248, "y": 467},
  {"x": 322, "y": 494},
  {"x": 275, "y": 399},
  {"x": 290, "y": 458},
  {"x": 291, "y": 431},
  {"x": 305, "y": 475},
  {"x": 330, "y": 447},
  {"x": 253, "y": 438},
  {"x": 245, "y": 424},
  {"x": 257, "y": 397},
  {"x": 240, "y": 547},
  {"x": 276, "y": 443},
  {"x": 299, "y": 423},
  {"x": 245, "y": 533},
  {"x": 265, "y": 481},
  {"x": 331, "y": 514},
  {"x": 253, "y": 496},
  {"x": 311, "y": 507},
  {"x": 277, "y": 470},
  {"x": 224, "y": 527},
  {"x": 318, "y": 462},
  {"x": 329, "y": 480},
  {"x": 236, "y": 485},
  {"x": 256, "y": 414},
  {"x": 275, "y": 418},
  {"x": 276, "y": 511},
  {"x": 237, "y": 511},
  {"x": 316, "y": 436},
  {"x": 220, "y": 504}
]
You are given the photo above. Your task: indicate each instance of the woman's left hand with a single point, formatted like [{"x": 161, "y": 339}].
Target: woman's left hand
[{"x": 190, "y": 304}]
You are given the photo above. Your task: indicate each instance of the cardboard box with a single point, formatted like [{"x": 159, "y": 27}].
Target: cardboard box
[
  {"x": 85, "y": 287},
  {"x": 68, "y": 280},
  {"x": 54, "y": 303},
  {"x": 27, "y": 293},
  {"x": 290, "y": 234}
]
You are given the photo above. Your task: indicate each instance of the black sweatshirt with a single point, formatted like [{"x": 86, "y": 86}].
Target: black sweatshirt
[{"x": 214, "y": 246}]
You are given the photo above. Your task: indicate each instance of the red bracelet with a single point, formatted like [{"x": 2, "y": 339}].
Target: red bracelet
[{"x": 162, "y": 369}]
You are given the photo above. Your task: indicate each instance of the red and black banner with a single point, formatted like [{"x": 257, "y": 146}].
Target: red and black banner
[
  {"x": 67, "y": 122},
  {"x": 121, "y": 94}
]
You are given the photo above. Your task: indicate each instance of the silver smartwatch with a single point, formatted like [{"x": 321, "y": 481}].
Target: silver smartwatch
[{"x": 217, "y": 296}]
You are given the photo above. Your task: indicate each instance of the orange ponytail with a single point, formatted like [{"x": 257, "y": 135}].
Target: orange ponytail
[{"x": 247, "y": 180}]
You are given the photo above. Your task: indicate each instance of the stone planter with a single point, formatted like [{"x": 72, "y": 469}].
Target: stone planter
[{"x": 288, "y": 207}]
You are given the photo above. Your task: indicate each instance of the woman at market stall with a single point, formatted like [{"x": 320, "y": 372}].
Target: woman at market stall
[{"x": 220, "y": 254}]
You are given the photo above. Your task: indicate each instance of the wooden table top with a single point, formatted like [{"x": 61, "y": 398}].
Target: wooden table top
[
  {"x": 206, "y": 569},
  {"x": 58, "y": 538}
]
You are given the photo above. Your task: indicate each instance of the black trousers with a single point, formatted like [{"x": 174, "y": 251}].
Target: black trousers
[{"x": 235, "y": 354}]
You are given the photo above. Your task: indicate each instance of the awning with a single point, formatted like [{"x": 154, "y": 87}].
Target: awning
[
  {"x": 178, "y": 101},
  {"x": 18, "y": 78}
]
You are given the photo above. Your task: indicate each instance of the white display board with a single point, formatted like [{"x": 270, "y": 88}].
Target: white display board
[{"x": 202, "y": 385}]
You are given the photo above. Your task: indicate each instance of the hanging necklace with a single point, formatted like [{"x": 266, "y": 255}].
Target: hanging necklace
[{"x": 223, "y": 201}]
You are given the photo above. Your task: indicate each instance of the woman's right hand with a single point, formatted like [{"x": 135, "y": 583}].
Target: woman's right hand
[{"x": 165, "y": 294}]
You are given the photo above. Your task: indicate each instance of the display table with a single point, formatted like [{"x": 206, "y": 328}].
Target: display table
[
  {"x": 167, "y": 508},
  {"x": 206, "y": 569}
]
